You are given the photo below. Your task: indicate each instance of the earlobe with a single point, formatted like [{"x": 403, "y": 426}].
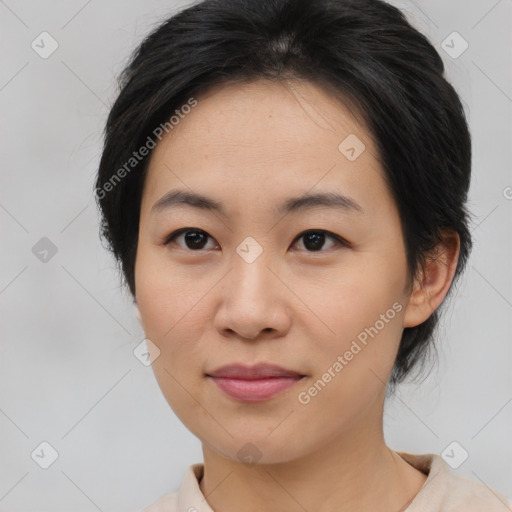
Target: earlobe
[{"x": 433, "y": 281}]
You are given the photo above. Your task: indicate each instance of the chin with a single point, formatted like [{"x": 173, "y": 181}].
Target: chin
[{"x": 258, "y": 449}]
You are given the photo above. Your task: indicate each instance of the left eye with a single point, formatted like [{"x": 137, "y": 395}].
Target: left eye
[
  {"x": 196, "y": 239},
  {"x": 315, "y": 239}
]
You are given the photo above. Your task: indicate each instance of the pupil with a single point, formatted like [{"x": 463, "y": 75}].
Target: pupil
[
  {"x": 317, "y": 240},
  {"x": 194, "y": 238}
]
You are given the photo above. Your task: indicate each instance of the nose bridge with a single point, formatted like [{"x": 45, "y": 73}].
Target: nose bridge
[
  {"x": 250, "y": 275},
  {"x": 251, "y": 300}
]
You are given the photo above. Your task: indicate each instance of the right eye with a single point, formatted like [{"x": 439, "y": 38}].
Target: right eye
[{"x": 194, "y": 239}]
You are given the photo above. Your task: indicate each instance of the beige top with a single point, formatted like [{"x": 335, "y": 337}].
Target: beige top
[{"x": 443, "y": 491}]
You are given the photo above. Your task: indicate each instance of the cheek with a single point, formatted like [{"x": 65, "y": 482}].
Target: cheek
[
  {"x": 344, "y": 301},
  {"x": 353, "y": 366},
  {"x": 162, "y": 291},
  {"x": 170, "y": 308},
  {"x": 173, "y": 308},
  {"x": 361, "y": 307}
]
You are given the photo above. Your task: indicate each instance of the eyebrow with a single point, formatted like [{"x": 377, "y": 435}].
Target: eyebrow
[{"x": 177, "y": 198}]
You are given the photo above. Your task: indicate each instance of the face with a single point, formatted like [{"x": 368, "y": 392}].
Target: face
[{"x": 318, "y": 289}]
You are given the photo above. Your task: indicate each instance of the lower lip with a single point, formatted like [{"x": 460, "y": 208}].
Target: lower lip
[{"x": 255, "y": 390}]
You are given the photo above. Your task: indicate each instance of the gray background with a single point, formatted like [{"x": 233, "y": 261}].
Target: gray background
[{"x": 67, "y": 370}]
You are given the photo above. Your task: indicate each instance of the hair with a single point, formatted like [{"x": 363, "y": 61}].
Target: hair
[{"x": 363, "y": 51}]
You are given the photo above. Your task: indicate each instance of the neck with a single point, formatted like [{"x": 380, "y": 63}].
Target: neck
[{"x": 354, "y": 472}]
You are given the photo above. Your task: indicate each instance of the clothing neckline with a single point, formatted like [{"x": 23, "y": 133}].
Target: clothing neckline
[{"x": 429, "y": 464}]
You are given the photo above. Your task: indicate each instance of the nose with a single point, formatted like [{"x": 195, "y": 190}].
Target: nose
[{"x": 253, "y": 302}]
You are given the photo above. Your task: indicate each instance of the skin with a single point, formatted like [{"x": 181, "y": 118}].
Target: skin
[{"x": 250, "y": 147}]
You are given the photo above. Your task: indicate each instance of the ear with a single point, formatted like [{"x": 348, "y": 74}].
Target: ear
[{"x": 433, "y": 281}]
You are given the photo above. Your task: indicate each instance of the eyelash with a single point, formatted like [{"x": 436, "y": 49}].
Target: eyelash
[{"x": 340, "y": 241}]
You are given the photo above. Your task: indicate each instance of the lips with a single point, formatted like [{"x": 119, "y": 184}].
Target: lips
[
  {"x": 254, "y": 383},
  {"x": 260, "y": 371}
]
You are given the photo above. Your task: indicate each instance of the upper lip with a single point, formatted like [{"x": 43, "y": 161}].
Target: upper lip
[{"x": 259, "y": 371}]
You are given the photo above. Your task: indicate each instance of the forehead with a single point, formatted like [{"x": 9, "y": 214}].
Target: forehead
[
  {"x": 265, "y": 135},
  {"x": 297, "y": 108}
]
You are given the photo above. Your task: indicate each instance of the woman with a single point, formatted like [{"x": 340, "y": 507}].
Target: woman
[{"x": 284, "y": 185}]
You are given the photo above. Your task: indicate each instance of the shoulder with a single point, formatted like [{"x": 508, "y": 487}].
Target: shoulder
[
  {"x": 167, "y": 503},
  {"x": 188, "y": 498},
  {"x": 471, "y": 496},
  {"x": 448, "y": 492}
]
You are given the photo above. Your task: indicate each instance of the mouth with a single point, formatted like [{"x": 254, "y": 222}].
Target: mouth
[{"x": 256, "y": 383}]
